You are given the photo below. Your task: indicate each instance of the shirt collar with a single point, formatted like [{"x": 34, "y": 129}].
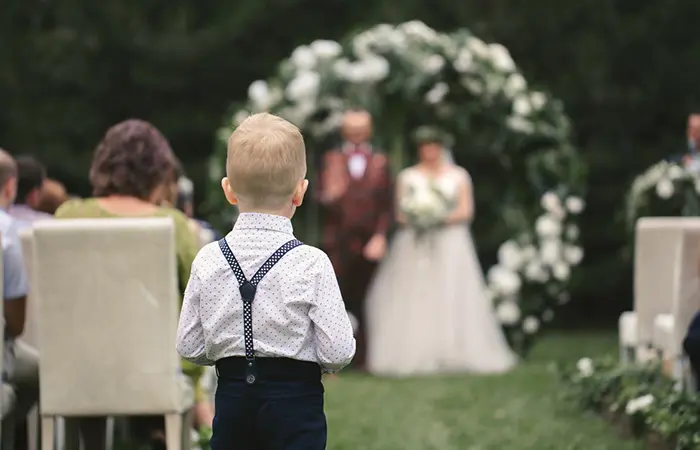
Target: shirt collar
[{"x": 259, "y": 221}]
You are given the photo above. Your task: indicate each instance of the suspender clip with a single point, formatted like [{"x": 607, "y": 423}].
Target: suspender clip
[{"x": 251, "y": 371}]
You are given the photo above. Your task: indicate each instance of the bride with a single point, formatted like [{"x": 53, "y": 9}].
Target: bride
[{"x": 427, "y": 310}]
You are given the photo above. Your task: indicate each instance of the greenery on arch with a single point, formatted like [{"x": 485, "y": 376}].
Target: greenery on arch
[{"x": 529, "y": 181}]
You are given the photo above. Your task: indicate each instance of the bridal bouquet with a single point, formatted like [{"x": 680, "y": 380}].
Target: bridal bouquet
[{"x": 425, "y": 206}]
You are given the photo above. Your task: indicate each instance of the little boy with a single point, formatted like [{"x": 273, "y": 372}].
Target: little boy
[{"x": 262, "y": 307}]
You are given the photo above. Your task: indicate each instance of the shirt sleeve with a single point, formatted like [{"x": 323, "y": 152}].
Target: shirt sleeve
[
  {"x": 333, "y": 335},
  {"x": 14, "y": 272},
  {"x": 190, "y": 334}
]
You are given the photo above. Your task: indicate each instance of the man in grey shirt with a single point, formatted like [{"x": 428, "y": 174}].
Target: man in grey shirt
[{"x": 21, "y": 362}]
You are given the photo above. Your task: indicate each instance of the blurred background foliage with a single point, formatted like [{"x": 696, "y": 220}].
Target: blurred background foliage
[{"x": 626, "y": 71}]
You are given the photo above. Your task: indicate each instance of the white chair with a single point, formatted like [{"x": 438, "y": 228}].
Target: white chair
[
  {"x": 108, "y": 326},
  {"x": 628, "y": 336},
  {"x": 654, "y": 263},
  {"x": 670, "y": 328}
]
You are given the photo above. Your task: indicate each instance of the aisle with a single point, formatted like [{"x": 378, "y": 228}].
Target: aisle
[{"x": 518, "y": 411}]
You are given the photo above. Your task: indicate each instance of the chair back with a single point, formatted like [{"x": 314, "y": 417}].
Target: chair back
[
  {"x": 686, "y": 292},
  {"x": 109, "y": 309},
  {"x": 31, "y": 325},
  {"x": 657, "y": 245}
]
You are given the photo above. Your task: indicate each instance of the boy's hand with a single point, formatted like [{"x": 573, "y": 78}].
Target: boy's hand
[{"x": 375, "y": 248}]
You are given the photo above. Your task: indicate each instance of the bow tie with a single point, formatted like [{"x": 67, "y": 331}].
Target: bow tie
[{"x": 359, "y": 149}]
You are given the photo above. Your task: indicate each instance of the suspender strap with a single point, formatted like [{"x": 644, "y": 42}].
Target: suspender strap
[{"x": 248, "y": 289}]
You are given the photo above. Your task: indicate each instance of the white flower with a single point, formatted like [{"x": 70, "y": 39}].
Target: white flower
[
  {"x": 675, "y": 172},
  {"x": 550, "y": 251},
  {"x": 564, "y": 298},
  {"x": 239, "y": 117},
  {"x": 520, "y": 124},
  {"x": 534, "y": 271},
  {"x": 304, "y": 86},
  {"x": 372, "y": 68},
  {"x": 473, "y": 85},
  {"x": 464, "y": 61},
  {"x": 326, "y": 49},
  {"x": 508, "y": 312},
  {"x": 434, "y": 64},
  {"x": 561, "y": 271},
  {"x": 639, "y": 404},
  {"x": 303, "y": 58},
  {"x": 664, "y": 188},
  {"x": 437, "y": 93},
  {"x": 585, "y": 367},
  {"x": 572, "y": 232},
  {"x": 531, "y": 325},
  {"x": 259, "y": 94},
  {"x": 504, "y": 280},
  {"x": 509, "y": 255},
  {"x": 515, "y": 84},
  {"x": 575, "y": 204},
  {"x": 548, "y": 226},
  {"x": 573, "y": 254},
  {"x": 501, "y": 58},
  {"x": 550, "y": 202},
  {"x": 547, "y": 315},
  {"x": 528, "y": 252},
  {"x": 537, "y": 100},
  {"x": 477, "y": 47},
  {"x": 521, "y": 106}
]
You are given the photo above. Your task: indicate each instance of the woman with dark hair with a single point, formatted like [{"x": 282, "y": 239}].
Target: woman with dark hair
[{"x": 130, "y": 176}]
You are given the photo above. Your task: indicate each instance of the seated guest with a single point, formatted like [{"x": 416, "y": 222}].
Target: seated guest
[
  {"x": 21, "y": 361},
  {"x": 691, "y": 346},
  {"x": 53, "y": 195},
  {"x": 129, "y": 175},
  {"x": 30, "y": 183}
]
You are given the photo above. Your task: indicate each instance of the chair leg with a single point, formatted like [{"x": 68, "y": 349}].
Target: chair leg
[
  {"x": 47, "y": 432},
  {"x": 187, "y": 427},
  {"x": 109, "y": 433},
  {"x": 173, "y": 431}
]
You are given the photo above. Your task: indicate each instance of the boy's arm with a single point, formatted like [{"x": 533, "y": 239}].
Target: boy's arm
[
  {"x": 335, "y": 343},
  {"x": 190, "y": 334}
]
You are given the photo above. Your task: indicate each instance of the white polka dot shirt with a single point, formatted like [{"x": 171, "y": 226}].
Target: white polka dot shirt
[{"x": 298, "y": 311}]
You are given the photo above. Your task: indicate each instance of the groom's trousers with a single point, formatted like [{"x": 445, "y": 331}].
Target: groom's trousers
[{"x": 282, "y": 410}]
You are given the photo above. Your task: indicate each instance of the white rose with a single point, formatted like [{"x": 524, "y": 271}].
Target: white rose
[
  {"x": 572, "y": 232},
  {"x": 508, "y": 313},
  {"x": 528, "y": 252},
  {"x": 509, "y": 255},
  {"x": 437, "y": 93},
  {"x": 531, "y": 325},
  {"x": 474, "y": 86},
  {"x": 548, "y": 226},
  {"x": 664, "y": 188},
  {"x": 521, "y": 106},
  {"x": 573, "y": 254},
  {"x": 259, "y": 94},
  {"x": 434, "y": 64},
  {"x": 464, "y": 61},
  {"x": 503, "y": 280},
  {"x": 550, "y": 202},
  {"x": 550, "y": 251},
  {"x": 501, "y": 58},
  {"x": 520, "y": 124},
  {"x": 537, "y": 100},
  {"x": 515, "y": 84},
  {"x": 547, "y": 315},
  {"x": 303, "y": 87},
  {"x": 373, "y": 68},
  {"x": 326, "y": 49},
  {"x": 675, "y": 172},
  {"x": 639, "y": 404},
  {"x": 564, "y": 298},
  {"x": 303, "y": 58},
  {"x": 477, "y": 46},
  {"x": 575, "y": 204},
  {"x": 585, "y": 367},
  {"x": 534, "y": 271},
  {"x": 561, "y": 271}
]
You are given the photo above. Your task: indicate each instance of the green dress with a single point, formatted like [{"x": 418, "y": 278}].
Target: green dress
[{"x": 186, "y": 246}]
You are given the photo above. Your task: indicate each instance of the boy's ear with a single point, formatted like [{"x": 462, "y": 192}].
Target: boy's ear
[
  {"x": 228, "y": 192},
  {"x": 298, "y": 198}
]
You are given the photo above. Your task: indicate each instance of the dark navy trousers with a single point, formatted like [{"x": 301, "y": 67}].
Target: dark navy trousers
[{"x": 269, "y": 415}]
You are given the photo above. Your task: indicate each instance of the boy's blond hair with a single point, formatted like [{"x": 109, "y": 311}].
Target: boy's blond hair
[{"x": 266, "y": 160}]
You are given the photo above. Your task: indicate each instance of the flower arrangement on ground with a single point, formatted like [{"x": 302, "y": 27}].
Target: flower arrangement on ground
[{"x": 410, "y": 75}]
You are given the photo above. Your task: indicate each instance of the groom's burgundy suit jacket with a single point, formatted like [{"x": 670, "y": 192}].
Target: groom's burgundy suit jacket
[{"x": 365, "y": 209}]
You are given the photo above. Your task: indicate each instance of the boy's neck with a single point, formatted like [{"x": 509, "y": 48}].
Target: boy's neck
[{"x": 287, "y": 212}]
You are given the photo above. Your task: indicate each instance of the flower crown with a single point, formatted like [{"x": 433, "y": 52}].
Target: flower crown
[{"x": 428, "y": 134}]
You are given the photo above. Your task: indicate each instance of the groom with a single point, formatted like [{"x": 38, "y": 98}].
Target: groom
[{"x": 356, "y": 193}]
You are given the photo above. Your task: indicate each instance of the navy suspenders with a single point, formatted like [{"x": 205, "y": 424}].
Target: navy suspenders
[{"x": 248, "y": 289}]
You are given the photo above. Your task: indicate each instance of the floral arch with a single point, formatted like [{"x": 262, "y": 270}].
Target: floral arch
[{"x": 514, "y": 140}]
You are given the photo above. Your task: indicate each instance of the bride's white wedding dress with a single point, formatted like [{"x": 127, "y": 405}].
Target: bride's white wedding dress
[{"x": 427, "y": 311}]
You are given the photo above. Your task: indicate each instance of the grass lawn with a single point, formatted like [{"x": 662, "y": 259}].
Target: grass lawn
[{"x": 517, "y": 411}]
